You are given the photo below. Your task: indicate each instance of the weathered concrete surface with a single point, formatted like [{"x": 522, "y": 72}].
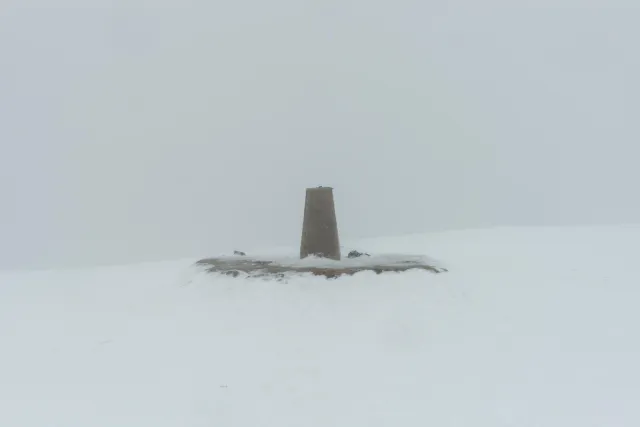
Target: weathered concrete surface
[
  {"x": 252, "y": 267},
  {"x": 320, "y": 227}
]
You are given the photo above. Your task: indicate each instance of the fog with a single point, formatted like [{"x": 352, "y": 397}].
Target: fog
[{"x": 135, "y": 130}]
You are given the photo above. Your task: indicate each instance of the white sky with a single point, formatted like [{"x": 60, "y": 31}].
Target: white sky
[{"x": 142, "y": 130}]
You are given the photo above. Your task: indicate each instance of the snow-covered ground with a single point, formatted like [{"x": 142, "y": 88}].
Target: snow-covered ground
[{"x": 530, "y": 327}]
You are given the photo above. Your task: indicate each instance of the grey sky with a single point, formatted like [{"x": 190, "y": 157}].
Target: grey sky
[{"x": 144, "y": 130}]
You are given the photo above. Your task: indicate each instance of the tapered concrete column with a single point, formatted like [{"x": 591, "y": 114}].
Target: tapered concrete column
[{"x": 320, "y": 227}]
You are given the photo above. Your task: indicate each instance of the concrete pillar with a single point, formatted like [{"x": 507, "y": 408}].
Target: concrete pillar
[{"x": 320, "y": 228}]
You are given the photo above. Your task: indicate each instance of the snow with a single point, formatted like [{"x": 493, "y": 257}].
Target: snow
[
  {"x": 391, "y": 260},
  {"x": 530, "y": 327}
]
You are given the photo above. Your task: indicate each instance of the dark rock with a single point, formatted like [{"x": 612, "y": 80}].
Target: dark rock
[
  {"x": 356, "y": 254},
  {"x": 239, "y": 253}
]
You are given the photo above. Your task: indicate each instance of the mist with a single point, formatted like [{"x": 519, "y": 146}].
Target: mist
[{"x": 148, "y": 130}]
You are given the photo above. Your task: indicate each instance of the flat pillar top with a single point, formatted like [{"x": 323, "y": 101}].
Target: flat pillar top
[{"x": 320, "y": 189}]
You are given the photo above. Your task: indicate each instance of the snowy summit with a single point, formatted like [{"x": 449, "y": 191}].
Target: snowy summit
[{"x": 530, "y": 327}]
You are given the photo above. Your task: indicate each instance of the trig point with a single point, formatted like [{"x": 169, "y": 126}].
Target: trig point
[
  {"x": 319, "y": 239},
  {"x": 319, "y": 226}
]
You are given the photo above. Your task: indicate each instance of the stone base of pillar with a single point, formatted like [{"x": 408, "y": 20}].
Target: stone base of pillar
[{"x": 289, "y": 267}]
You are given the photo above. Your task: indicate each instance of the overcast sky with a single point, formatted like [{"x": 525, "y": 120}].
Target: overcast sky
[{"x": 136, "y": 130}]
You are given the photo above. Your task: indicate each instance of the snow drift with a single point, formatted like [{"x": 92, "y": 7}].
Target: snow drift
[{"x": 530, "y": 327}]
